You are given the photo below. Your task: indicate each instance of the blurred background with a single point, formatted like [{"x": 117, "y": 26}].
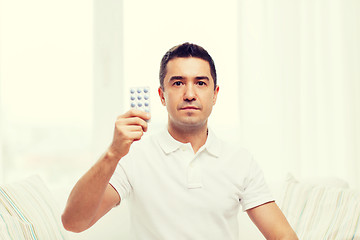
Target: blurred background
[{"x": 288, "y": 70}]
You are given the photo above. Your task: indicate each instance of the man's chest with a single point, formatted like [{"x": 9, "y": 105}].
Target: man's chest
[{"x": 201, "y": 183}]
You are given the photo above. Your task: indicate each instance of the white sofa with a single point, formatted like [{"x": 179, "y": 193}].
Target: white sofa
[
  {"x": 28, "y": 211},
  {"x": 317, "y": 210}
]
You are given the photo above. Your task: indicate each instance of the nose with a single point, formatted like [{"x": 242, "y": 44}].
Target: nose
[{"x": 189, "y": 94}]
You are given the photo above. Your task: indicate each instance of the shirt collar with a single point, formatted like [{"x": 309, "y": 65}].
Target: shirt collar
[
  {"x": 213, "y": 144},
  {"x": 169, "y": 144}
]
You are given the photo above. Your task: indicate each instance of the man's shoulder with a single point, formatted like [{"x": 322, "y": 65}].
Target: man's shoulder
[{"x": 237, "y": 149}]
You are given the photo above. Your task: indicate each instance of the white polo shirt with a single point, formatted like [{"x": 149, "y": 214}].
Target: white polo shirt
[{"x": 176, "y": 194}]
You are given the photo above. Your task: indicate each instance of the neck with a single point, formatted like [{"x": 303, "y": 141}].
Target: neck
[{"x": 196, "y": 136}]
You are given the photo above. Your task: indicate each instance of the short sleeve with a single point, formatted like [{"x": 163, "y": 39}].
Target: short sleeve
[
  {"x": 120, "y": 180},
  {"x": 255, "y": 191}
]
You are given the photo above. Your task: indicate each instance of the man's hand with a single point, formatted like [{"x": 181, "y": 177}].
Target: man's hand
[{"x": 129, "y": 127}]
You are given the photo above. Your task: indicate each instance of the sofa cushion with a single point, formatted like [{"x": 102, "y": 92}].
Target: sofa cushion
[
  {"x": 13, "y": 228},
  {"x": 321, "y": 212},
  {"x": 28, "y": 211}
]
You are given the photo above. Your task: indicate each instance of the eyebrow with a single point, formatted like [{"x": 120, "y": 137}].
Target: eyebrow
[
  {"x": 202, "y": 78},
  {"x": 176, "y": 78},
  {"x": 173, "y": 78}
]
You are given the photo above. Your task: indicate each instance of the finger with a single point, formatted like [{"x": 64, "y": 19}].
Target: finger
[
  {"x": 135, "y": 133},
  {"x": 137, "y": 113},
  {"x": 135, "y": 128},
  {"x": 136, "y": 121},
  {"x": 129, "y": 133}
]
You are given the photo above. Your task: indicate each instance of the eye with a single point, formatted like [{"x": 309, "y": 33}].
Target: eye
[
  {"x": 201, "y": 83},
  {"x": 177, "y": 83}
]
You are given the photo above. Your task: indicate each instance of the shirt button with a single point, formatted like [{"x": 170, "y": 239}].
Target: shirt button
[
  {"x": 191, "y": 165},
  {"x": 183, "y": 147}
]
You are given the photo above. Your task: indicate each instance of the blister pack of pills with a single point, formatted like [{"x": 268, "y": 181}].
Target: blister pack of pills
[{"x": 140, "y": 98}]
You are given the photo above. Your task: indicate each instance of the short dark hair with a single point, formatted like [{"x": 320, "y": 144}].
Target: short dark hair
[{"x": 183, "y": 51}]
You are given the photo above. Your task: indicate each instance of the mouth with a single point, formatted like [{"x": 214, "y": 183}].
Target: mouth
[{"x": 190, "y": 108}]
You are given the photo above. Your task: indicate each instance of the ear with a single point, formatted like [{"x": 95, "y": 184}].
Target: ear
[
  {"x": 216, "y": 91},
  {"x": 161, "y": 95}
]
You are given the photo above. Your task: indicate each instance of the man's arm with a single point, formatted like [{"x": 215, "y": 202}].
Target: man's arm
[
  {"x": 271, "y": 222},
  {"x": 93, "y": 196}
]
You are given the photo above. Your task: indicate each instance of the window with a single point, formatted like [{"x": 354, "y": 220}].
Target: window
[{"x": 46, "y": 86}]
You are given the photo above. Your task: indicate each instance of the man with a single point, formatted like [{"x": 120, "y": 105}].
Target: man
[{"x": 183, "y": 182}]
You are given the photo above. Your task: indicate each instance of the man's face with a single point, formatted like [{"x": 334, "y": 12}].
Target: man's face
[{"x": 188, "y": 93}]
